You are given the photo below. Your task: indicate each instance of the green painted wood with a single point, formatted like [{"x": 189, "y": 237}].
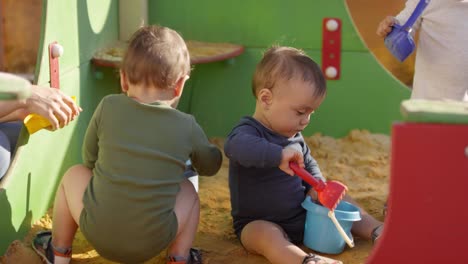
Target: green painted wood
[
  {"x": 255, "y": 23},
  {"x": 366, "y": 96},
  {"x": 428, "y": 111},
  {"x": 81, "y": 27}
]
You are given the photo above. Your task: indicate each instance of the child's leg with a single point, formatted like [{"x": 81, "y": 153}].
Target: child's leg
[
  {"x": 269, "y": 240},
  {"x": 68, "y": 205},
  {"x": 368, "y": 223},
  {"x": 187, "y": 210}
]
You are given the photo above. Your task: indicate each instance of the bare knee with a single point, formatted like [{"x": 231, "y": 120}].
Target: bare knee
[
  {"x": 188, "y": 192},
  {"x": 75, "y": 171},
  {"x": 257, "y": 236},
  {"x": 72, "y": 188},
  {"x": 187, "y": 204},
  {"x": 78, "y": 169}
]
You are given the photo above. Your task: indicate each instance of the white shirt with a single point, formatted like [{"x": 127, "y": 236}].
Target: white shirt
[{"x": 441, "y": 70}]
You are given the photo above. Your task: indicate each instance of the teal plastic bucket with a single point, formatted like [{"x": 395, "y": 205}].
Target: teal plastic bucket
[{"x": 320, "y": 234}]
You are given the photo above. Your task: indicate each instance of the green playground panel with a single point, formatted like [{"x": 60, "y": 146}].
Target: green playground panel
[
  {"x": 217, "y": 94},
  {"x": 365, "y": 97},
  {"x": 427, "y": 111},
  {"x": 256, "y": 23},
  {"x": 80, "y": 27}
]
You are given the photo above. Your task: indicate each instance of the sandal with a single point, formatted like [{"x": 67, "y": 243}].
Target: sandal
[
  {"x": 194, "y": 258},
  {"x": 376, "y": 232},
  {"x": 42, "y": 244},
  {"x": 317, "y": 258}
]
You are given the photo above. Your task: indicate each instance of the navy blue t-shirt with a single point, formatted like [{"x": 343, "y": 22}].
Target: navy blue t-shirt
[{"x": 259, "y": 189}]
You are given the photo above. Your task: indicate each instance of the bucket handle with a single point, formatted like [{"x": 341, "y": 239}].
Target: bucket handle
[{"x": 349, "y": 241}]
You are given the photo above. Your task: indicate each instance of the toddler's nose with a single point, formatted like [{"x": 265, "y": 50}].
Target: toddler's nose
[{"x": 305, "y": 121}]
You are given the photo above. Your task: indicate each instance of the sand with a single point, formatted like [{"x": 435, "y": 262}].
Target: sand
[{"x": 360, "y": 160}]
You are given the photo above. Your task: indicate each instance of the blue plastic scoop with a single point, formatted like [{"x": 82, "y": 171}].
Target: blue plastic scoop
[{"x": 399, "y": 41}]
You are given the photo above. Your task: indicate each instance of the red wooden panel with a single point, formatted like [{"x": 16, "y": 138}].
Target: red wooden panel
[
  {"x": 428, "y": 202},
  {"x": 53, "y": 67},
  {"x": 331, "y": 48}
]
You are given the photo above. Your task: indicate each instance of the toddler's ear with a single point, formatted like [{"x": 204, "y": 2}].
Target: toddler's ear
[
  {"x": 123, "y": 82},
  {"x": 180, "y": 85},
  {"x": 265, "y": 97}
]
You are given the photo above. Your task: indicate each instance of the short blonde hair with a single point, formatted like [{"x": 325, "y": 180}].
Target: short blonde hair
[
  {"x": 285, "y": 63},
  {"x": 156, "y": 56}
]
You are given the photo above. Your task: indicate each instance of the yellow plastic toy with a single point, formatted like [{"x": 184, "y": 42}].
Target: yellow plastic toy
[{"x": 35, "y": 122}]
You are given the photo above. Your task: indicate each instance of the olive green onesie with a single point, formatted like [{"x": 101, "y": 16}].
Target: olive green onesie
[{"x": 137, "y": 153}]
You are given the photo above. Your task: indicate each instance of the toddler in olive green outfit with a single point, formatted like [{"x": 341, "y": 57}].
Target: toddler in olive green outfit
[{"x": 130, "y": 197}]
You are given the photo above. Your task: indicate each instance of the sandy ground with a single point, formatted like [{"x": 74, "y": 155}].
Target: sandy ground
[{"x": 360, "y": 160}]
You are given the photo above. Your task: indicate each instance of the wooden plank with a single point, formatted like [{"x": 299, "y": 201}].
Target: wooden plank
[
  {"x": 435, "y": 111},
  {"x": 2, "y": 37},
  {"x": 200, "y": 52},
  {"x": 21, "y": 33}
]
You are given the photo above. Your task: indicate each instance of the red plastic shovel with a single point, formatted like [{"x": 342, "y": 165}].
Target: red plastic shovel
[{"x": 329, "y": 193}]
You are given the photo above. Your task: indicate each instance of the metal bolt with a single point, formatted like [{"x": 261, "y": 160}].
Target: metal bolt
[
  {"x": 57, "y": 50},
  {"x": 332, "y": 25},
  {"x": 331, "y": 72}
]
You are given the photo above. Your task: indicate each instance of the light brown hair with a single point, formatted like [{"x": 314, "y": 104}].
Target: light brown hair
[
  {"x": 156, "y": 56},
  {"x": 285, "y": 63}
]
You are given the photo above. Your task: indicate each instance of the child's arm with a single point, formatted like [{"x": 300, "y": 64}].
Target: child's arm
[
  {"x": 206, "y": 158},
  {"x": 290, "y": 155},
  {"x": 249, "y": 150},
  {"x": 90, "y": 142},
  {"x": 385, "y": 26},
  {"x": 311, "y": 165},
  {"x": 313, "y": 194},
  {"x": 403, "y": 16}
]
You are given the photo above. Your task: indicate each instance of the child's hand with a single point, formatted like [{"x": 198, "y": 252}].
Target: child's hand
[
  {"x": 313, "y": 194},
  {"x": 291, "y": 154},
  {"x": 386, "y": 26}
]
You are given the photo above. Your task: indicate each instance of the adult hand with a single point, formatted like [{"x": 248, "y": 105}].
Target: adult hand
[
  {"x": 290, "y": 154},
  {"x": 53, "y": 104},
  {"x": 385, "y": 26}
]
